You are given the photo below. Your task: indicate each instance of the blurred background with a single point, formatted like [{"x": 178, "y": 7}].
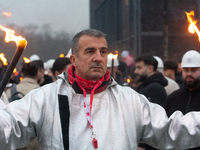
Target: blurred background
[{"x": 157, "y": 27}]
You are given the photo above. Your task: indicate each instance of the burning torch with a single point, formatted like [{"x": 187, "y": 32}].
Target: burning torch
[
  {"x": 112, "y": 57},
  {"x": 192, "y": 26},
  {"x": 21, "y": 44}
]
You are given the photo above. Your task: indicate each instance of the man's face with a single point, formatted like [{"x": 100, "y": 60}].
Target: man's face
[
  {"x": 134, "y": 83},
  {"x": 168, "y": 72},
  {"x": 91, "y": 63},
  {"x": 191, "y": 77},
  {"x": 141, "y": 70}
]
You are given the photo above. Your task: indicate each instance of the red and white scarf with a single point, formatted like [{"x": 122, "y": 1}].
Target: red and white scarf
[{"x": 91, "y": 87}]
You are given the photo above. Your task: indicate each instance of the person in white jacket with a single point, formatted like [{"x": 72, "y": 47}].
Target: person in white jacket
[{"x": 86, "y": 109}]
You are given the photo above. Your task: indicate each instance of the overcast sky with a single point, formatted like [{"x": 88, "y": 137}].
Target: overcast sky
[{"x": 68, "y": 15}]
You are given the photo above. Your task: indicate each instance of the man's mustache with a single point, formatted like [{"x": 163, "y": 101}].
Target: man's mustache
[
  {"x": 96, "y": 65},
  {"x": 189, "y": 77}
]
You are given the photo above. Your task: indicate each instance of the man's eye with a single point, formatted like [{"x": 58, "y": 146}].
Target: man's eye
[
  {"x": 104, "y": 52},
  {"x": 90, "y": 52}
]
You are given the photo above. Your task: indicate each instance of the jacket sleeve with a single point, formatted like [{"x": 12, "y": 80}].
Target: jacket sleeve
[
  {"x": 176, "y": 132},
  {"x": 20, "y": 121},
  {"x": 156, "y": 93}
]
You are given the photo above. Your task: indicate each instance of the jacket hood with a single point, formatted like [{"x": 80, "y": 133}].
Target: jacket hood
[{"x": 157, "y": 77}]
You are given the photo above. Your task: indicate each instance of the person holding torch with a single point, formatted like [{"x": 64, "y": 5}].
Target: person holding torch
[{"x": 86, "y": 109}]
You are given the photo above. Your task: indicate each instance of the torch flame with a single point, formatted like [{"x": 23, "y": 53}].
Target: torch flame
[
  {"x": 62, "y": 55},
  {"x": 14, "y": 70},
  {"x": 8, "y": 14},
  {"x": 111, "y": 56},
  {"x": 128, "y": 80},
  {"x": 26, "y": 60},
  {"x": 192, "y": 27},
  {"x": 11, "y": 37},
  {"x": 3, "y": 59}
]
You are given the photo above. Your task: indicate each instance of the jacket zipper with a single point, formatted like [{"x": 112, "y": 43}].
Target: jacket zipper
[{"x": 188, "y": 104}]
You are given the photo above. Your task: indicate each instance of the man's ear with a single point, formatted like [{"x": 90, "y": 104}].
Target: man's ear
[
  {"x": 150, "y": 68},
  {"x": 56, "y": 74},
  {"x": 73, "y": 60}
]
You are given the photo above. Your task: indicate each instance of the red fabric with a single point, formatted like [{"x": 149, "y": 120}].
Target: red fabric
[{"x": 87, "y": 84}]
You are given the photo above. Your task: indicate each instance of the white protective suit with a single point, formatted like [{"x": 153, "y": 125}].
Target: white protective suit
[{"x": 121, "y": 119}]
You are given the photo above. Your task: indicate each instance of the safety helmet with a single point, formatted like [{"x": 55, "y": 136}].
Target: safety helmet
[
  {"x": 49, "y": 64},
  {"x": 69, "y": 53},
  {"x": 191, "y": 59},
  {"x": 160, "y": 63},
  {"x": 125, "y": 53},
  {"x": 34, "y": 57},
  {"x": 109, "y": 61}
]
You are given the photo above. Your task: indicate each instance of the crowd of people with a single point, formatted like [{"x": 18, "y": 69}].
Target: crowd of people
[{"x": 86, "y": 101}]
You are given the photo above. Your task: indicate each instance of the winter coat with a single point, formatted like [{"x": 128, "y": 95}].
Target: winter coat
[{"x": 153, "y": 88}]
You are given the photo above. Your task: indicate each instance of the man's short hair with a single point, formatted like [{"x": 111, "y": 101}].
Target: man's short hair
[
  {"x": 29, "y": 70},
  {"x": 169, "y": 64},
  {"x": 148, "y": 60},
  {"x": 88, "y": 32},
  {"x": 131, "y": 72},
  {"x": 40, "y": 64},
  {"x": 60, "y": 64}
]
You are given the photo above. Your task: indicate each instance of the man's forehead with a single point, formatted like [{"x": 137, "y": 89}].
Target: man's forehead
[{"x": 191, "y": 68}]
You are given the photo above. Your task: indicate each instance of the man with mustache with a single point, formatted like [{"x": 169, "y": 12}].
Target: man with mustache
[
  {"x": 86, "y": 109},
  {"x": 187, "y": 98}
]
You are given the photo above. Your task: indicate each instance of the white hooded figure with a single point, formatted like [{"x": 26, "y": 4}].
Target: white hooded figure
[
  {"x": 69, "y": 53},
  {"x": 172, "y": 85},
  {"x": 34, "y": 57}
]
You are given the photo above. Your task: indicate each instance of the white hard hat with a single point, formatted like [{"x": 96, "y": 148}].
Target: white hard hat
[
  {"x": 109, "y": 61},
  {"x": 34, "y": 57},
  {"x": 125, "y": 53},
  {"x": 49, "y": 64},
  {"x": 191, "y": 59},
  {"x": 160, "y": 63},
  {"x": 69, "y": 53}
]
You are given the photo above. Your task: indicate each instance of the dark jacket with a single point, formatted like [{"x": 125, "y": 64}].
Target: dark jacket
[
  {"x": 153, "y": 88},
  {"x": 120, "y": 80},
  {"x": 183, "y": 100}
]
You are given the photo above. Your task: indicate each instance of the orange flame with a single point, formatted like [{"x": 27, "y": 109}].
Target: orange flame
[
  {"x": 26, "y": 60},
  {"x": 14, "y": 70},
  {"x": 128, "y": 80},
  {"x": 111, "y": 56},
  {"x": 62, "y": 55},
  {"x": 3, "y": 59},
  {"x": 8, "y": 14},
  {"x": 192, "y": 26},
  {"x": 21, "y": 78},
  {"x": 11, "y": 37}
]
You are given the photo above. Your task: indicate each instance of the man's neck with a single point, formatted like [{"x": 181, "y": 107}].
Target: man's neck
[
  {"x": 191, "y": 89},
  {"x": 150, "y": 74}
]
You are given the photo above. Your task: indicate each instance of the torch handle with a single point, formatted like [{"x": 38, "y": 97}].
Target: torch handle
[
  {"x": 10, "y": 69},
  {"x": 112, "y": 68}
]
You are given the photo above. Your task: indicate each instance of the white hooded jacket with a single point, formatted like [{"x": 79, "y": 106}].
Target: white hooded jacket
[{"x": 121, "y": 119}]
